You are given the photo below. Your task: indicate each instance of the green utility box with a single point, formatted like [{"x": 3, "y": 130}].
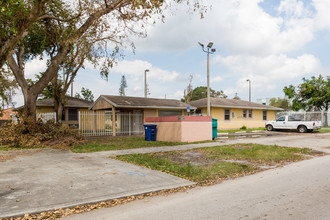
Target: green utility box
[{"x": 214, "y": 128}]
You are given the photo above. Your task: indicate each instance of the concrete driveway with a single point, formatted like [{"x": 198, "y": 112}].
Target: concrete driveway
[{"x": 50, "y": 179}]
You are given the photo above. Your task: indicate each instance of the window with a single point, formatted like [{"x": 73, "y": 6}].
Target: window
[
  {"x": 233, "y": 114},
  {"x": 198, "y": 112},
  {"x": 264, "y": 115},
  {"x": 227, "y": 114},
  {"x": 169, "y": 113},
  {"x": 244, "y": 113},
  {"x": 250, "y": 113},
  {"x": 73, "y": 114},
  {"x": 281, "y": 119},
  {"x": 63, "y": 115}
]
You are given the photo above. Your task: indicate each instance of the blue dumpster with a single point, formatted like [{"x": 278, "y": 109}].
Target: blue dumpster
[
  {"x": 214, "y": 128},
  {"x": 150, "y": 132}
]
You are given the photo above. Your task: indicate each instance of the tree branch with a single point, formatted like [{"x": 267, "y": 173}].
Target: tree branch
[{"x": 7, "y": 48}]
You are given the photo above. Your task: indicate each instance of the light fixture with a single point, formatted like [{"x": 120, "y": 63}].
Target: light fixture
[{"x": 208, "y": 51}]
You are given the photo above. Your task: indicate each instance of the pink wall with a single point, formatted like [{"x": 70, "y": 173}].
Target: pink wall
[{"x": 182, "y": 129}]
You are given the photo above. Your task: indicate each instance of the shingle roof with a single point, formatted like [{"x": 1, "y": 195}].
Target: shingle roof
[
  {"x": 231, "y": 103},
  {"x": 140, "y": 102},
  {"x": 71, "y": 103},
  {"x": 7, "y": 114}
]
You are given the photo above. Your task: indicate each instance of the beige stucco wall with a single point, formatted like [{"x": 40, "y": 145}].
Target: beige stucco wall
[
  {"x": 183, "y": 131},
  {"x": 102, "y": 104},
  {"x": 44, "y": 110},
  {"x": 196, "y": 131},
  {"x": 168, "y": 131},
  {"x": 149, "y": 113},
  {"x": 238, "y": 121}
]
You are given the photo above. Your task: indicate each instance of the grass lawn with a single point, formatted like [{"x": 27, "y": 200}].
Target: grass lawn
[
  {"x": 121, "y": 143},
  {"x": 213, "y": 164},
  {"x": 325, "y": 130},
  {"x": 240, "y": 130}
]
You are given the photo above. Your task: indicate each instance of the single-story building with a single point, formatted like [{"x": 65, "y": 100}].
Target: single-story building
[
  {"x": 234, "y": 114},
  {"x": 7, "y": 115},
  {"x": 129, "y": 113},
  {"x": 71, "y": 110}
]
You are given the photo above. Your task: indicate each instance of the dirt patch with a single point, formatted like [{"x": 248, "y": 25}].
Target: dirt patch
[
  {"x": 12, "y": 154},
  {"x": 197, "y": 158}
]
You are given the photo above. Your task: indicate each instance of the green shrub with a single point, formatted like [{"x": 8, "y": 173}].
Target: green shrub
[{"x": 243, "y": 127}]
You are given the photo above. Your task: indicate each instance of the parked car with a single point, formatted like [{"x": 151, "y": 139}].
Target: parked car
[{"x": 291, "y": 123}]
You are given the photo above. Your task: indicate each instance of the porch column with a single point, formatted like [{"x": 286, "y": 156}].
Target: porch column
[{"x": 113, "y": 121}]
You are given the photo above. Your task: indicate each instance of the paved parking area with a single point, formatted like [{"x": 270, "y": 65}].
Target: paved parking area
[
  {"x": 316, "y": 141},
  {"x": 50, "y": 179}
]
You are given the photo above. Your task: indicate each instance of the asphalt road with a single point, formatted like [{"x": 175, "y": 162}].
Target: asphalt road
[{"x": 298, "y": 191}]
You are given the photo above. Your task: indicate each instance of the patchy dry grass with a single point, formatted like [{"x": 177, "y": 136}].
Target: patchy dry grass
[
  {"x": 213, "y": 164},
  {"x": 240, "y": 130},
  {"x": 121, "y": 143}
]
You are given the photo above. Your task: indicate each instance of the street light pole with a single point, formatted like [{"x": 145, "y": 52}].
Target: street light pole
[
  {"x": 248, "y": 80},
  {"x": 209, "y": 46},
  {"x": 145, "y": 83}
]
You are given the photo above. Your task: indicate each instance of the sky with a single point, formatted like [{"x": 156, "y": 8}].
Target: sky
[{"x": 271, "y": 42}]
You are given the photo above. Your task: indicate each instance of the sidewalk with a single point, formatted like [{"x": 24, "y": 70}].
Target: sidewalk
[{"x": 318, "y": 141}]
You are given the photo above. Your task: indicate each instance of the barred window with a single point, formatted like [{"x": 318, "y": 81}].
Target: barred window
[
  {"x": 73, "y": 114},
  {"x": 227, "y": 114}
]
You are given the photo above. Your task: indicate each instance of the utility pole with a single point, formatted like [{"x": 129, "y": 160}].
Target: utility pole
[
  {"x": 248, "y": 80},
  {"x": 145, "y": 83},
  {"x": 209, "y": 46}
]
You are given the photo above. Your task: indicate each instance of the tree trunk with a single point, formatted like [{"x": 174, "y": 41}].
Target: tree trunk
[
  {"x": 30, "y": 100},
  {"x": 59, "y": 111}
]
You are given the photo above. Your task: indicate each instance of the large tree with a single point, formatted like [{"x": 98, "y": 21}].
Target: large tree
[
  {"x": 201, "y": 92},
  {"x": 312, "y": 94},
  {"x": 71, "y": 32},
  {"x": 188, "y": 92},
  {"x": 123, "y": 86},
  {"x": 16, "y": 16},
  {"x": 86, "y": 94},
  {"x": 280, "y": 103},
  {"x": 7, "y": 88}
]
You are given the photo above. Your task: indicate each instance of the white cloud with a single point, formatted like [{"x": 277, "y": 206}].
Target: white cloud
[
  {"x": 136, "y": 68},
  {"x": 293, "y": 8},
  {"x": 322, "y": 18},
  {"x": 35, "y": 66},
  {"x": 216, "y": 79},
  {"x": 238, "y": 25},
  {"x": 267, "y": 73}
]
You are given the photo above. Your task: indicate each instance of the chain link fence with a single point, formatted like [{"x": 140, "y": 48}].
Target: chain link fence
[{"x": 324, "y": 117}]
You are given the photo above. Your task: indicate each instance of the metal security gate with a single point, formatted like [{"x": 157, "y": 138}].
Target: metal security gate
[{"x": 101, "y": 123}]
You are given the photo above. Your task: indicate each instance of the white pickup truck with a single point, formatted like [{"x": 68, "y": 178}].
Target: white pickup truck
[{"x": 290, "y": 123}]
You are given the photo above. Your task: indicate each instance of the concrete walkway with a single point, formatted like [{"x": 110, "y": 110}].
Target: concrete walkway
[
  {"x": 51, "y": 179},
  {"x": 316, "y": 141}
]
